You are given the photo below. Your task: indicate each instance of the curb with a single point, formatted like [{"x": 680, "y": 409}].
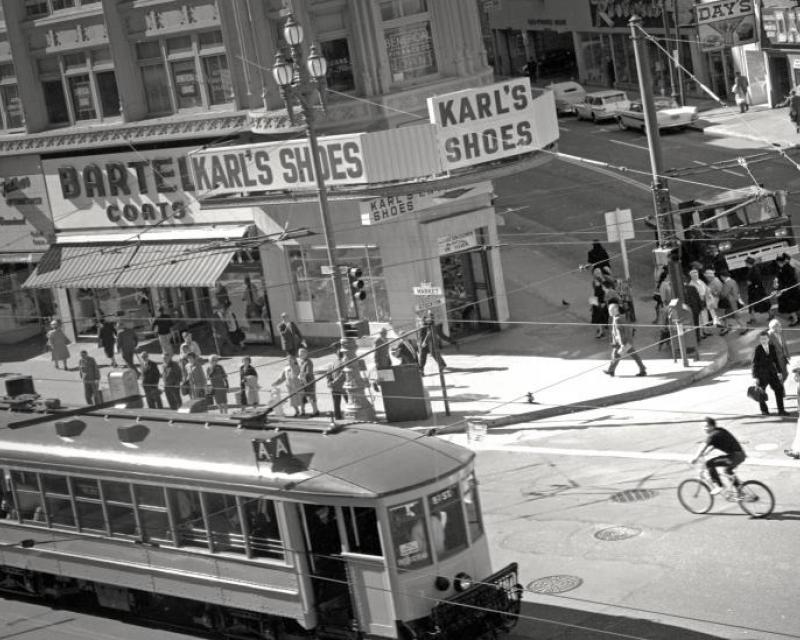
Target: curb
[{"x": 714, "y": 367}]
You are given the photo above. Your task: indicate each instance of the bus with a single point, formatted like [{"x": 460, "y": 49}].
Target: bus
[{"x": 737, "y": 224}]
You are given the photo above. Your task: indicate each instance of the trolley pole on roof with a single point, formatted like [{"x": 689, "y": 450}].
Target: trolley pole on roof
[{"x": 668, "y": 251}]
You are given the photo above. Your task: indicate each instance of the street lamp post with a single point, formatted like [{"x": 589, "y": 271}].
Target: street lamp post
[{"x": 298, "y": 81}]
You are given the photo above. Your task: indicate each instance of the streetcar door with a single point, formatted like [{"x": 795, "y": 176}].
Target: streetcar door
[{"x": 326, "y": 565}]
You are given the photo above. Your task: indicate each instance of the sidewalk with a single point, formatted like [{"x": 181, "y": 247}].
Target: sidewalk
[
  {"x": 489, "y": 378},
  {"x": 760, "y": 124}
]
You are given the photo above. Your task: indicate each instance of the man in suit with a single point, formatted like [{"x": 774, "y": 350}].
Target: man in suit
[
  {"x": 622, "y": 342},
  {"x": 150, "y": 379},
  {"x": 766, "y": 371}
]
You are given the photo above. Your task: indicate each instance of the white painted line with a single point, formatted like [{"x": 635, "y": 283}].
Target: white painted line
[
  {"x": 563, "y": 128},
  {"x": 629, "y": 144},
  {"x": 733, "y": 173}
]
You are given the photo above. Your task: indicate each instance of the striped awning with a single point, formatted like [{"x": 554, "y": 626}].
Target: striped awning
[
  {"x": 90, "y": 266},
  {"x": 134, "y": 265},
  {"x": 184, "y": 264}
]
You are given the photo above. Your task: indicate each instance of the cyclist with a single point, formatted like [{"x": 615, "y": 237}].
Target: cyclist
[{"x": 722, "y": 440}]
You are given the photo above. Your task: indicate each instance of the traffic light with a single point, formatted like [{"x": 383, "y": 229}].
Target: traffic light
[{"x": 356, "y": 283}]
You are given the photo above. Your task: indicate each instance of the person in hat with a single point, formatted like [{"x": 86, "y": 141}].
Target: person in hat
[
  {"x": 57, "y": 344},
  {"x": 382, "y": 346},
  {"x": 766, "y": 372}
]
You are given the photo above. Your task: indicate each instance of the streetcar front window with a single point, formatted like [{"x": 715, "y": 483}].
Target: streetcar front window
[
  {"x": 410, "y": 535},
  {"x": 473, "y": 507},
  {"x": 762, "y": 210},
  {"x": 448, "y": 529}
]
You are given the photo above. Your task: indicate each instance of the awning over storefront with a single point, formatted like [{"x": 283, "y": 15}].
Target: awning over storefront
[
  {"x": 80, "y": 266},
  {"x": 176, "y": 264},
  {"x": 185, "y": 264}
]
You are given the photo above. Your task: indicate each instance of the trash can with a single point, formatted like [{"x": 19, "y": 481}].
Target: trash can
[
  {"x": 123, "y": 383},
  {"x": 18, "y": 385},
  {"x": 476, "y": 431},
  {"x": 404, "y": 396}
]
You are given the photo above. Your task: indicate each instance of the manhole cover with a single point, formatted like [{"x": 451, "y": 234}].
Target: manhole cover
[
  {"x": 612, "y": 534},
  {"x": 555, "y": 584},
  {"x": 633, "y": 495}
]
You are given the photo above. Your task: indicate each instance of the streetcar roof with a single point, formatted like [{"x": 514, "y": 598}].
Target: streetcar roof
[{"x": 361, "y": 460}]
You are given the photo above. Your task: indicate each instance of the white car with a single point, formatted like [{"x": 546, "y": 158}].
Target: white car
[
  {"x": 602, "y": 105},
  {"x": 669, "y": 114},
  {"x": 567, "y": 95}
]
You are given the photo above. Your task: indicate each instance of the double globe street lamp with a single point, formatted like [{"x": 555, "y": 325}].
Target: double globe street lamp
[{"x": 301, "y": 82}]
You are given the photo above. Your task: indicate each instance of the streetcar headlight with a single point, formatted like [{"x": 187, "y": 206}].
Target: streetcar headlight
[
  {"x": 780, "y": 233},
  {"x": 724, "y": 246},
  {"x": 441, "y": 583},
  {"x": 462, "y": 582}
]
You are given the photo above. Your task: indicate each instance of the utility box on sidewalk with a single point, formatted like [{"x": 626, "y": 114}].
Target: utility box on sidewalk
[
  {"x": 124, "y": 383},
  {"x": 404, "y": 395}
]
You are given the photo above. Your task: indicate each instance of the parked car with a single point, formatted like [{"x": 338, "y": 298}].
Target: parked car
[
  {"x": 669, "y": 114},
  {"x": 567, "y": 95},
  {"x": 602, "y": 105}
]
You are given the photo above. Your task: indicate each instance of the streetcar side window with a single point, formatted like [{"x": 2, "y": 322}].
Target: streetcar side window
[
  {"x": 361, "y": 524},
  {"x": 88, "y": 505},
  {"x": 6, "y": 505},
  {"x": 410, "y": 535},
  {"x": 119, "y": 506},
  {"x": 152, "y": 508},
  {"x": 473, "y": 507},
  {"x": 28, "y": 497},
  {"x": 187, "y": 509},
  {"x": 58, "y": 501},
  {"x": 448, "y": 529},
  {"x": 263, "y": 535},
  {"x": 224, "y": 525}
]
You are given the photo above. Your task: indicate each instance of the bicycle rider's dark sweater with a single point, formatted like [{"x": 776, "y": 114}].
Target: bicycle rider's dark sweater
[{"x": 724, "y": 440}]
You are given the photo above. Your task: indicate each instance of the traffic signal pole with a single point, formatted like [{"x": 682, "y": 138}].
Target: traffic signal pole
[{"x": 662, "y": 205}]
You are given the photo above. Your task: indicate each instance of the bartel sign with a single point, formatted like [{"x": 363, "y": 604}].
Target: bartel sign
[{"x": 489, "y": 123}]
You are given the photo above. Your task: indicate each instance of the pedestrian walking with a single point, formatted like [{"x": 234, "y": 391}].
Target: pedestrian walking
[
  {"x": 431, "y": 336},
  {"x": 731, "y": 304},
  {"x": 757, "y": 298},
  {"x": 794, "y": 108},
  {"x": 57, "y": 344},
  {"x": 248, "y": 383},
  {"x": 217, "y": 383},
  {"x": 195, "y": 377},
  {"x": 382, "y": 347},
  {"x": 162, "y": 325},
  {"x": 788, "y": 293},
  {"x": 178, "y": 327},
  {"x": 107, "y": 339},
  {"x": 290, "y": 377},
  {"x": 90, "y": 376},
  {"x": 219, "y": 331},
  {"x": 794, "y": 448},
  {"x": 336, "y": 378},
  {"x": 597, "y": 257},
  {"x": 766, "y": 372},
  {"x": 307, "y": 381},
  {"x": 151, "y": 376},
  {"x": 291, "y": 337},
  {"x": 597, "y": 304},
  {"x": 622, "y": 342},
  {"x": 188, "y": 346},
  {"x": 704, "y": 318},
  {"x": 172, "y": 375},
  {"x": 127, "y": 341},
  {"x": 714, "y": 288},
  {"x": 778, "y": 340},
  {"x": 741, "y": 91},
  {"x": 235, "y": 333}
]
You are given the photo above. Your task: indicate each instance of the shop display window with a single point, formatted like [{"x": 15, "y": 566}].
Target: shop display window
[
  {"x": 409, "y": 40},
  {"x": 20, "y": 308},
  {"x": 131, "y": 306},
  {"x": 313, "y": 287}
]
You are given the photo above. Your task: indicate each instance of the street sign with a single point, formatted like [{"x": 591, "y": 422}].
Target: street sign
[
  {"x": 619, "y": 225},
  {"x": 426, "y": 289},
  {"x": 458, "y": 242}
]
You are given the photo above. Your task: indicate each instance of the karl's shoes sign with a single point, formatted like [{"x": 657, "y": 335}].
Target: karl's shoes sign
[{"x": 127, "y": 190}]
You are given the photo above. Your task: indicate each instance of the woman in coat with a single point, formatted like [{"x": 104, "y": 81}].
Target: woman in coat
[
  {"x": 57, "y": 345},
  {"x": 107, "y": 340},
  {"x": 599, "y": 309},
  {"x": 218, "y": 383},
  {"x": 291, "y": 378},
  {"x": 195, "y": 378},
  {"x": 248, "y": 383},
  {"x": 307, "y": 381}
]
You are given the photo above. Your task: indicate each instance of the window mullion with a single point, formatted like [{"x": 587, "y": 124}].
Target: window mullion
[
  {"x": 66, "y": 89},
  {"x": 173, "y": 97}
]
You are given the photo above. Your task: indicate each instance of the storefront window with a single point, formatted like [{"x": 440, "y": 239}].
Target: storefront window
[
  {"x": 156, "y": 89},
  {"x": 218, "y": 79},
  {"x": 314, "y": 287},
  {"x": 10, "y": 107},
  {"x": 594, "y": 51},
  {"x": 56, "y": 103},
  {"x": 340, "y": 68},
  {"x": 243, "y": 290},
  {"x": 81, "y": 94},
  {"x": 187, "y": 89},
  {"x": 133, "y": 307},
  {"x": 17, "y": 305},
  {"x": 409, "y": 42}
]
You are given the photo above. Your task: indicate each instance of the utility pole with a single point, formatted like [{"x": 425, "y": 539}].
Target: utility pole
[{"x": 665, "y": 224}]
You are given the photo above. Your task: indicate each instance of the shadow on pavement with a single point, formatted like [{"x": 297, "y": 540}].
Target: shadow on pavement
[
  {"x": 24, "y": 350},
  {"x": 556, "y": 623}
]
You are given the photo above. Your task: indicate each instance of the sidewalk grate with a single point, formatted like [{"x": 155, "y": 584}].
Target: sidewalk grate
[
  {"x": 614, "y": 534},
  {"x": 555, "y": 584},
  {"x": 633, "y": 495}
]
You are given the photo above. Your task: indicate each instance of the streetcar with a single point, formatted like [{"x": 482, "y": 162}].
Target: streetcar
[
  {"x": 249, "y": 528},
  {"x": 738, "y": 223}
]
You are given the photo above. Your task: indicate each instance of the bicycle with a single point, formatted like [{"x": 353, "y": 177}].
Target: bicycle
[{"x": 754, "y": 497}]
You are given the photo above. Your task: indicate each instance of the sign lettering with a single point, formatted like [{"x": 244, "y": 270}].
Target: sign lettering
[{"x": 272, "y": 449}]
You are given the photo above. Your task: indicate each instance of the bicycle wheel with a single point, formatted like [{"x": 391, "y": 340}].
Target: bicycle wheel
[
  {"x": 756, "y": 499},
  {"x": 695, "y": 496}
]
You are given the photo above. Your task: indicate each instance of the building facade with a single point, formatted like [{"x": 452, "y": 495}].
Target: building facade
[{"x": 102, "y": 101}]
